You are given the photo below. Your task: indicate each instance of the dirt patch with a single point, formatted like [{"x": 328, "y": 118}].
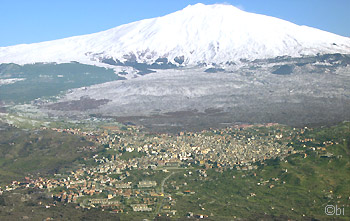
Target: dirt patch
[
  {"x": 85, "y": 103},
  {"x": 311, "y": 113}
]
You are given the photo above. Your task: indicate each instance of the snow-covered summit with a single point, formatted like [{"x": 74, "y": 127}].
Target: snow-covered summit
[{"x": 197, "y": 34}]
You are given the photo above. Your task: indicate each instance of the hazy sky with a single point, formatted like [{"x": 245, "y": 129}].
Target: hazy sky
[{"x": 29, "y": 21}]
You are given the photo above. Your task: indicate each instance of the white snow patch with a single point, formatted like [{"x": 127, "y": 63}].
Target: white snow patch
[
  {"x": 10, "y": 81},
  {"x": 200, "y": 33}
]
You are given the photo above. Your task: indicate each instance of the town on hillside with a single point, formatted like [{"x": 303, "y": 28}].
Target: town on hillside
[{"x": 134, "y": 167}]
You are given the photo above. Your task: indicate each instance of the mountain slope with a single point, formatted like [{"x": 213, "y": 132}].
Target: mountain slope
[{"x": 197, "y": 34}]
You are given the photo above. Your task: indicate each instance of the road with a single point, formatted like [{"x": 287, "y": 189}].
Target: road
[
  {"x": 162, "y": 191},
  {"x": 163, "y": 182}
]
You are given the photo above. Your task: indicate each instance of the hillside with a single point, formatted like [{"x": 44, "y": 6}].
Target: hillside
[
  {"x": 33, "y": 152},
  {"x": 297, "y": 186}
]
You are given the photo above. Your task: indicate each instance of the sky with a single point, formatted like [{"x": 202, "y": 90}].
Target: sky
[{"x": 24, "y": 21}]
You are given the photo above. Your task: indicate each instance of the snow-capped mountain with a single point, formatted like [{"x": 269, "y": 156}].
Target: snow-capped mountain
[{"x": 197, "y": 34}]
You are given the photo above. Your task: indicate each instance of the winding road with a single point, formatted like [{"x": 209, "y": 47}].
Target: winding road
[
  {"x": 163, "y": 182},
  {"x": 162, "y": 190}
]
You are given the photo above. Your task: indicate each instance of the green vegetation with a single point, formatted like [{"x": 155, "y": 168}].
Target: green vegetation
[
  {"x": 43, "y": 80},
  {"x": 320, "y": 136},
  {"x": 140, "y": 175},
  {"x": 37, "y": 205},
  {"x": 296, "y": 187},
  {"x": 299, "y": 186},
  {"x": 129, "y": 155},
  {"x": 31, "y": 152},
  {"x": 23, "y": 121}
]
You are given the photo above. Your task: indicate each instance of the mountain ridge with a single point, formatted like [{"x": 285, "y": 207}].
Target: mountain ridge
[{"x": 196, "y": 34}]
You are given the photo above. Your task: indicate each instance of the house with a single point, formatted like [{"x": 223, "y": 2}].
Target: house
[
  {"x": 326, "y": 155},
  {"x": 123, "y": 185},
  {"x": 147, "y": 184},
  {"x": 98, "y": 201},
  {"x": 141, "y": 208}
]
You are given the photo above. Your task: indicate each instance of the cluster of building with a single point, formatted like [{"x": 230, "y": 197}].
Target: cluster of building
[
  {"x": 105, "y": 184},
  {"x": 223, "y": 148}
]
